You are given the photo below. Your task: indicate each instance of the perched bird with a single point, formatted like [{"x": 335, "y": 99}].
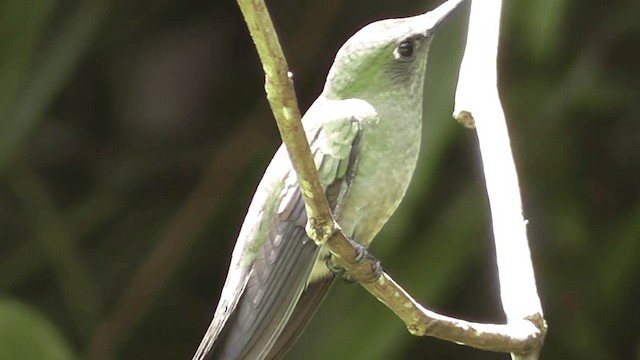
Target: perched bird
[{"x": 364, "y": 131}]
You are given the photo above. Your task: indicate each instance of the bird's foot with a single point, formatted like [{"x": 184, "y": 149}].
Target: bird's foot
[
  {"x": 338, "y": 269},
  {"x": 362, "y": 256}
]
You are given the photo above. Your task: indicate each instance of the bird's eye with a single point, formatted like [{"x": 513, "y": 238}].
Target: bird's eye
[{"x": 405, "y": 49}]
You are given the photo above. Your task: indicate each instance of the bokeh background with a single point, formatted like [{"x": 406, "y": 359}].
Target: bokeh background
[{"x": 133, "y": 134}]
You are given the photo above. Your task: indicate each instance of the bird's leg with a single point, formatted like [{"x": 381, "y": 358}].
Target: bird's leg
[{"x": 362, "y": 256}]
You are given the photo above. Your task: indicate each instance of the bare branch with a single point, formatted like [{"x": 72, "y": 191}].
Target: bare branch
[
  {"x": 282, "y": 98},
  {"x": 478, "y": 103}
]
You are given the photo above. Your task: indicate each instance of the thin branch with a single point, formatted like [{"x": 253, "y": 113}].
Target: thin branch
[
  {"x": 478, "y": 103},
  {"x": 516, "y": 337},
  {"x": 282, "y": 98}
]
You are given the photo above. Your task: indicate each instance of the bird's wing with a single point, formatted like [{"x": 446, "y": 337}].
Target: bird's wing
[
  {"x": 309, "y": 301},
  {"x": 273, "y": 257}
]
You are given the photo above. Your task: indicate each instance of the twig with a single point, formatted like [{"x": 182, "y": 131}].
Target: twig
[
  {"x": 282, "y": 98},
  {"x": 478, "y": 103}
]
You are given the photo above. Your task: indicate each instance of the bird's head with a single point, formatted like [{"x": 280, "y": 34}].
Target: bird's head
[{"x": 387, "y": 55}]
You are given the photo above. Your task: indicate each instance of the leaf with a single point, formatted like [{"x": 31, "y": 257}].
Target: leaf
[{"x": 26, "y": 334}]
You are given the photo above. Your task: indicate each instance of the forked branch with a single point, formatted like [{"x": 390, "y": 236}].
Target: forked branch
[{"x": 523, "y": 335}]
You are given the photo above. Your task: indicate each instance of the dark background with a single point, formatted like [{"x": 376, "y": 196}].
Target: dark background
[{"x": 133, "y": 134}]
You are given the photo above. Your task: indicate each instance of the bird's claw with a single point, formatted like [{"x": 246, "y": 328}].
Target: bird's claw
[
  {"x": 335, "y": 268},
  {"x": 362, "y": 256}
]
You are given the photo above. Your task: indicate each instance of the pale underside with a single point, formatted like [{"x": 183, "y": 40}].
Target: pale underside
[{"x": 273, "y": 260}]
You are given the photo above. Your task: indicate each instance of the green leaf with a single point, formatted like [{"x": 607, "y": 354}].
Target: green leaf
[{"x": 26, "y": 334}]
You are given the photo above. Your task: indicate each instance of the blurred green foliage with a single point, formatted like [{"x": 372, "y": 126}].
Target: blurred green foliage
[
  {"x": 26, "y": 334},
  {"x": 132, "y": 135}
]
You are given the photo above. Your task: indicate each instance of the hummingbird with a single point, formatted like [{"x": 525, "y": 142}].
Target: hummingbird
[{"x": 364, "y": 132}]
